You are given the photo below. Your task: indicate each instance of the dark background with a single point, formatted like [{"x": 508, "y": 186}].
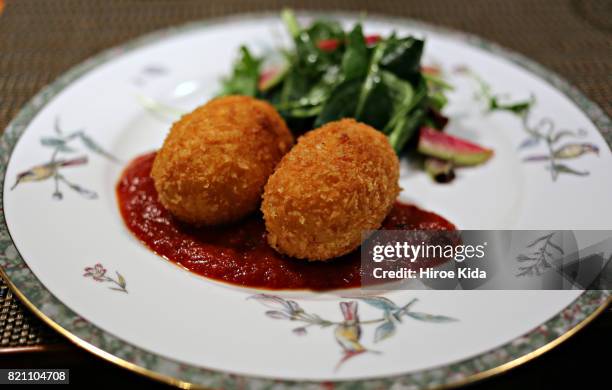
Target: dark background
[{"x": 39, "y": 40}]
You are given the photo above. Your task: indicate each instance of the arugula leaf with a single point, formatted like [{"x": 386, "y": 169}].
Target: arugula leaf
[
  {"x": 436, "y": 82},
  {"x": 245, "y": 77},
  {"x": 291, "y": 22},
  {"x": 437, "y": 100},
  {"x": 518, "y": 108}
]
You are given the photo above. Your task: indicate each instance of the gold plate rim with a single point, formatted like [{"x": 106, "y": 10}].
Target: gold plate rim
[{"x": 504, "y": 367}]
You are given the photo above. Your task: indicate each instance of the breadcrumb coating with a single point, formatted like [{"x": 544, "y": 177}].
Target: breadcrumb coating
[
  {"x": 215, "y": 161},
  {"x": 337, "y": 182}
]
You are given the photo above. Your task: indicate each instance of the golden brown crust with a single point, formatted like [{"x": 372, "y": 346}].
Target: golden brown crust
[
  {"x": 337, "y": 182},
  {"x": 215, "y": 161}
]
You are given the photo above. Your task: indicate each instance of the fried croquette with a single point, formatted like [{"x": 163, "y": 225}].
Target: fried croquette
[
  {"x": 337, "y": 182},
  {"x": 215, "y": 161}
]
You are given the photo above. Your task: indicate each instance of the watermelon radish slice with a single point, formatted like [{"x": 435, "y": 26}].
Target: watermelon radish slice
[
  {"x": 437, "y": 144},
  {"x": 271, "y": 77}
]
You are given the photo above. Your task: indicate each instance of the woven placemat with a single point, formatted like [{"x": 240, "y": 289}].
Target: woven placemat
[
  {"x": 19, "y": 329},
  {"x": 41, "y": 39}
]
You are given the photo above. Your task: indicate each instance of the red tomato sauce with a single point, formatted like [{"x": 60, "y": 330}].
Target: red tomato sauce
[{"x": 238, "y": 253}]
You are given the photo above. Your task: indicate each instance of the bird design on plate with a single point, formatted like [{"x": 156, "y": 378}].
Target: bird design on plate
[
  {"x": 348, "y": 330},
  {"x": 62, "y": 143}
]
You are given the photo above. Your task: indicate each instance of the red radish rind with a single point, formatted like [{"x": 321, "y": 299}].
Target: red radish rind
[
  {"x": 330, "y": 45},
  {"x": 372, "y": 39},
  {"x": 270, "y": 77},
  {"x": 431, "y": 70}
]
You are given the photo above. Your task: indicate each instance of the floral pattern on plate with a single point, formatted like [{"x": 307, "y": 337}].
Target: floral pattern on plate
[{"x": 98, "y": 273}]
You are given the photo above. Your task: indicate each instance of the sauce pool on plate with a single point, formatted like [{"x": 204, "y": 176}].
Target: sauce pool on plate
[{"x": 238, "y": 253}]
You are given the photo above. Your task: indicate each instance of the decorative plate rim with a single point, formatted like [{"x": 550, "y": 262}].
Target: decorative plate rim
[{"x": 45, "y": 305}]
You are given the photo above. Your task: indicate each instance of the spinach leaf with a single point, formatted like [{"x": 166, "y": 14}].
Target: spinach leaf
[
  {"x": 406, "y": 129},
  {"x": 372, "y": 78},
  {"x": 308, "y": 99},
  {"x": 245, "y": 76},
  {"x": 402, "y": 97},
  {"x": 377, "y": 110},
  {"x": 341, "y": 103},
  {"x": 389, "y": 100},
  {"x": 355, "y": 60},
  {"x": 409, "y": 117},
  {"x": 403, "y": 56}
]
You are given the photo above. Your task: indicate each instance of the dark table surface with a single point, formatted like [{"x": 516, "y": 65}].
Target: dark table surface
[{"x": 39, "y": 40}]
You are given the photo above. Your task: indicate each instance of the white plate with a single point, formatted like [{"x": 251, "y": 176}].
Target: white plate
[{"x": 173, "y": 325}]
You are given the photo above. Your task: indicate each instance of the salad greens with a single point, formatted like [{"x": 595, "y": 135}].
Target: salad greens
[{"x": 331, "y": 74}]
